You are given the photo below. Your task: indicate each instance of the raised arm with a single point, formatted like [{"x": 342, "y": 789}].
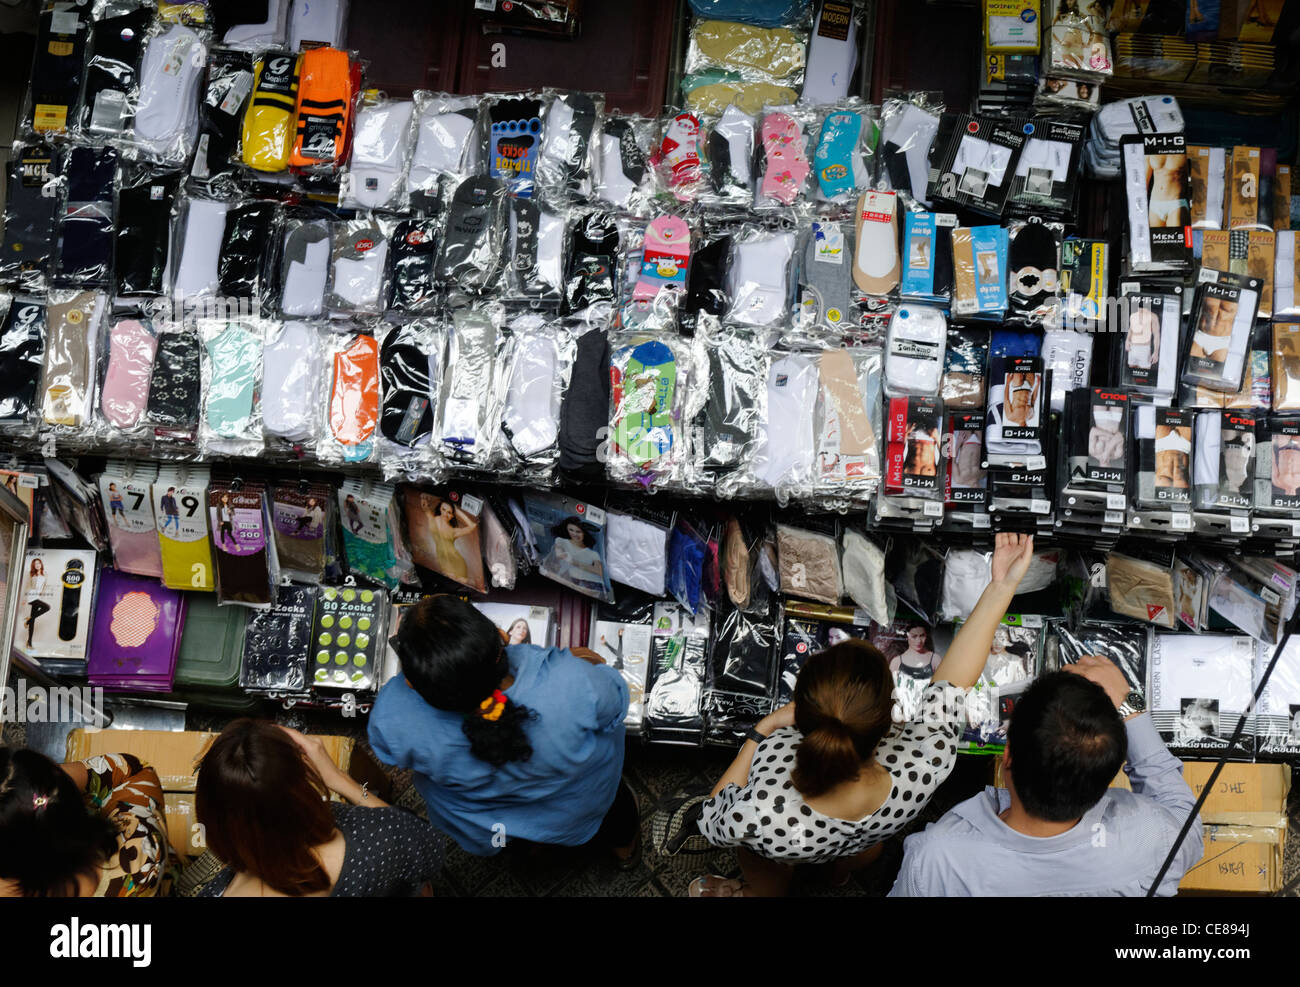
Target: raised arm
[{"x": 970, "y": 649}]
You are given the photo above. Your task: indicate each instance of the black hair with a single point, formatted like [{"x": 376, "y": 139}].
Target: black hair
[
  {"x": 454, "y": 657},
  {"x": 48, "y": 839},
  {"x": 1067, "y": 743},
  {"x": 589, "y": 530}
]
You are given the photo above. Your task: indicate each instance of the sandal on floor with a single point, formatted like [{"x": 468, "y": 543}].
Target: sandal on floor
[{"x": 713, "y": 886}]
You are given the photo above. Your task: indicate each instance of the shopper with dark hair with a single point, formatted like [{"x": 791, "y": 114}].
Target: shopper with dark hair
[
  {"x": 92, "y": 828},
  {"x": 831, "y": 776},
  {"x": 1057, "y": 828},
  {"x": 262, "y": 801},
  {"x": 507, "y": 741}
]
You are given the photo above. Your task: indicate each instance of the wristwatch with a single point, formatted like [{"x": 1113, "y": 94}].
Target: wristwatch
[{"x": 1133, "y": 703}]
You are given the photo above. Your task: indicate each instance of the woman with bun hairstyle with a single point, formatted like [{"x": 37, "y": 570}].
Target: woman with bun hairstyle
[
  {"x": 507, "y": 741},
  {"x": 832, "y": 775}
]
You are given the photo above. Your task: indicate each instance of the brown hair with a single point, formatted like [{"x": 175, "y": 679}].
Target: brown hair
[
  {"x": 843, "y": 706},
  {"x": 263, "y": 807}
]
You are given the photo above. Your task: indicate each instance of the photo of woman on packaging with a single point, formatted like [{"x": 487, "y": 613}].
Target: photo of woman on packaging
[
  {"x": 1173, "y": 456},
  {"x": 519, "y": 633},
  {"x": 36, "y": 606},
  {"x": 574, "y": 558},
  {"x": 909, "y": 646},
  {"x": 444, "y": 538}
]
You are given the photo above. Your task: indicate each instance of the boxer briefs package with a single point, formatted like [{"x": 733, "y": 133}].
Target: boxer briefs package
[
  {"x": 914, "y": 454},
  {"x": 1067, "y": 356},
  {"x": 1018, "y": 407},
  {"x": 966, "y": 483},
  {"x": 180, "y": 497},
  {"x": 1098, "y": 438},
  {"x": 1277, "y": 478},
  {"x": 1150, "y": 354},
  {"x": 1224, "y": 470}
]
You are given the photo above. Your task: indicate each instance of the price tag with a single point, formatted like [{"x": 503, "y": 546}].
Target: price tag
[
  {"x": 1295, "y": 528},
  {"x": 1114, "y": 502},
  {"x": 1239, "y": 525},
  {"x": 1040, "y": 507},
  {"x": 1182, "y": 522},
  {"x": 1036, "y": 463},
  {"x": 932, "y": 508},
  {"x": 983, "y": 521},
  {"x": 861, "y": 616},
  {"x": 1113, "y": 517}
]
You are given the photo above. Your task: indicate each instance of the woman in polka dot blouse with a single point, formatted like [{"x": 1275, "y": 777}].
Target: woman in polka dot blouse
[{"x": 831, "y": 776}]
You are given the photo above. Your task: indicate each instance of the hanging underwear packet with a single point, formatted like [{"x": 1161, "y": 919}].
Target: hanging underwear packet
[
  {"x": 1046, "y": 176},
  {"x": 1223, "y": 316},
  {"x": 1151, "y": 323},
  {"x": 241, "y": 533},
  {"x": 1098, "y": 420},
  {"x": 1157, "y": 186},
  {"x": 1224, "y": 468},
  {"x": 180, "y": 504},
  {"x": 914, "y": 456},
  {"x": 974, "y": 161},
  {"x": 125, "y": 489},
  {"x": 1164, "y": 456}
]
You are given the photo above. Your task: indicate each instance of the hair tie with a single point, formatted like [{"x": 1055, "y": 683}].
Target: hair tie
[
  {"x": 39, "y": 802},
  {"x": 493, "y": 706}
]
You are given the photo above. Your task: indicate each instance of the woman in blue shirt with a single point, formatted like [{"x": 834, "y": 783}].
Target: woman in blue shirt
[{"x": 506, "y": 742}]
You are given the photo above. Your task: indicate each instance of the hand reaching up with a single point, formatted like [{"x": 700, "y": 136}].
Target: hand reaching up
[{"x": 1012, "y": 554}]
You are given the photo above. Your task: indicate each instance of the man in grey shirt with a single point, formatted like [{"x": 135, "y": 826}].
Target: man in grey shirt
[{"x": 1057, "y": 829}]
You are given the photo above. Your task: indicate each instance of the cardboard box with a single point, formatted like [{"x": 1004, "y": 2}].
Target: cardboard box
[
  {"x": 1245, "y": 827},
  {"x": 175, "y": 756},
  {"x": 183, "y": 832}
]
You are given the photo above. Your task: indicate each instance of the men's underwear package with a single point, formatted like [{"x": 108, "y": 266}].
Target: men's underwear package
[
  {"x": 1206, "y": 177},
  {"x": 1223, "y": 316},
  {"x": 927, "y": 256},
  {"x": 1252, "y": 253},
  {"x": 966, "y": 479},
  {"x": 1098, "y": 438},
  {"x": 914, "y": 450},
  {"x": 1149, "y": 356},
  {"x": 1200, "y": 687},
  {"x": 1278, "y": 466},
  {"x": 1067, "y": 356},
  {"x": 1286, "y": 366},
  {"x": 1164, "y": 455},
  {"x": 1017, "y": 415},
  {"x": 1141, "y": 589},
  {"x": 1047, "y": 174},
  {"x": 974, "y": 160},
  {"x": 1156, "y": 185},
  {"x": 964, "y": 381},
  {"x": 1224, "y": 471},
  {"x": 979, "y": 262}
]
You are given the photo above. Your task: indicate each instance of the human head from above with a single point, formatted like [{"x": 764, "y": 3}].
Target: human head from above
[
  {"x": 843, "y": 706},
  {"x": 50, "y": 846},
  {"x": 455, "y": 659},
  {"x": 263, "y": 808},
  {"x": 1065, "y": 745}
]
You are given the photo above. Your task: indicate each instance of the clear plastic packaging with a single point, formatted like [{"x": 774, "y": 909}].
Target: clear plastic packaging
[
  {"x": 176, "y": 386},
  {"x": 87, "y": 220},
  {"x": 221, "y": 112},
  {"x": 68, "y": 381},
  {"x": 593, "y": 260},
  {"x": 1141, "y": 590},
  {"x": 358, "y": 284},
  {"x": 111, "y": 89},
  {"x": 381, "y": 154},
  {"x": 759, "y": 279},
  {"x": 370, "y": 531},
  {"x": 727, "y": 148},
  {"x": 623, "y": 177},
  {"x": 166, "y": 120},
  {"x": 446, "y": 148},
  {"x": 31, "y": 208},
  {"x": 907, "y": 131},
  {"x": 513, "y": 134},
  {"x": 304, "y": 266},
  {"x": 127, "y": 353},
  {"x": 231, "y": 422},
  {"x": 411, "y": 367},
  {"x": 849, "y": 422},
  {"x": 294, "y": 373},
  {"x": 784, "y": 459},
  {"x": 535, "y": 362},
  {"x": 58, "y": 69},
  {"x": 328, "y": 82},
  {"x": 1076, "y": 46},
  {"x": 756, "y": 54},
  {"x": 273, "y": 32},
  {"x": 809, "y": 565},
  {"x": 676, "y": 159},
  {"x": 566, "y": 161},
  {"x": 1277, "y": 723},
  {"x": 267, "y": 137},
  {"x": 733, "y": 368},
  {"x": 22, "y": 364},
  {"x": 144, "y": 217},
  {"x": 637, "y": 551},
  {"x": 785, "y": 144},
  {"x": 845, "y": 156},
  {"x": 826, "y": 301},
  {"x": 538, "y": 243},
  {"x": 1126, "y": 645},
  {"x": 125, "y": 489},
  {"x": 351, "y": 406},
  {"x": 1067, "y": 356},
  {"x": 649, "y": 378},
  {"x": 964, "y": 368},
  {"x": 470, "y": 413},
  {"x": 277, "y": 643},
  {"x": 200, "y": 229},
  {"x": 474, "y": 241},
  {"x": 245, "y": 264},
  {"x": 915, "y": 348},
  {"x": 657, "y": 264},
  {"x": 914, "y": 454}
]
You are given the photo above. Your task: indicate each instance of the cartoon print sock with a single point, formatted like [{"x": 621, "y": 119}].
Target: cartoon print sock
[
  {"x": 837, "y": 147},
  {"x": 787, "y": 163},
  {"x": 680, "y": 154},
  {"x": 643, "y": 428},
  {"x": 125, "y": 391},
  {"x": 665, "y": 258},
  {"x": 414, "y": 258}
]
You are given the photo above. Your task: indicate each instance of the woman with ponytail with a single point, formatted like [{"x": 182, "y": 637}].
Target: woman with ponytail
[
  {"x": 507, "y": 741},
  {"x": 831, "y": 776}
]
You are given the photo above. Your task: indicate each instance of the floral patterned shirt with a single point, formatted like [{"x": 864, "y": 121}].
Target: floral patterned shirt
[{"x": 127, "y": 792}]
